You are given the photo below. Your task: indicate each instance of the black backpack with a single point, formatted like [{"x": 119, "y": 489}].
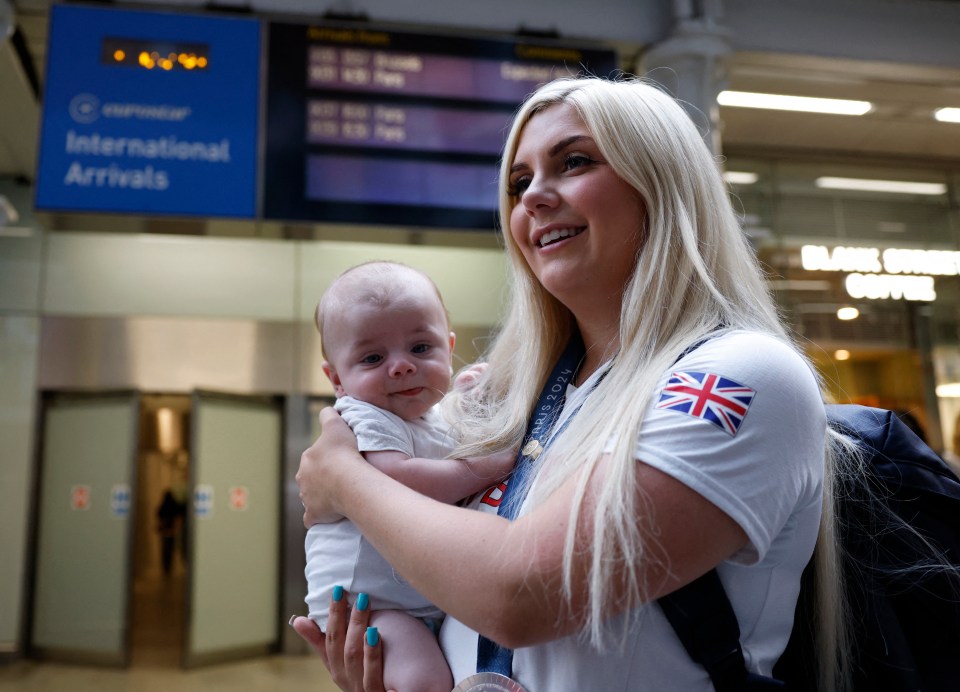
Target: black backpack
[{"x": 905, "y": 626}]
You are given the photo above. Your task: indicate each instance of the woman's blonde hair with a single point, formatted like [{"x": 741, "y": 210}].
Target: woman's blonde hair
[{"x": 695, "y": 274}]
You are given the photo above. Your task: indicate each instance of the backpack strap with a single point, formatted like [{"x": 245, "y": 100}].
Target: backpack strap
[{"x": 701, "y": 615}]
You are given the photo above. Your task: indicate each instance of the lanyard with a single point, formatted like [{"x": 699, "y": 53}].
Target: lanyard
[
  {"x": 548, "y": 408},
  {"x": 490, "y": 656}
]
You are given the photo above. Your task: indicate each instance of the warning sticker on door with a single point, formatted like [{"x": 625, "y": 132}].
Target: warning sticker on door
[
  {"x": 120, "y": 501},
  {"x": 203, "y": 501},
  {"x": 80, "y": 497},
  {"x": 238, "y": 498}
]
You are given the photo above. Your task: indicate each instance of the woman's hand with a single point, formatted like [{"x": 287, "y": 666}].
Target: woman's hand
[
  {"x": 326, "y": 461},
  {"x": 352, "y": 654}
]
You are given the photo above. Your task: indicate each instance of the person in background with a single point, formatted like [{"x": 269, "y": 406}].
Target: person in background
[
  {"x": 386, "y": 338},
  {"x": 170, "y": 517},
  {"x": 668, "y": 425}
]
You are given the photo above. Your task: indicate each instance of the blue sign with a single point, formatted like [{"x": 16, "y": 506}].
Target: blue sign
[
  {"x": 149, "y": 112},
  {"x": 203, "y": 501},
  {"x": 120, "y": 501}
]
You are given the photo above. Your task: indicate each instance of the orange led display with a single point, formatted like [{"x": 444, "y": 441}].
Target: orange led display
[{"x": 165, "y": 56}]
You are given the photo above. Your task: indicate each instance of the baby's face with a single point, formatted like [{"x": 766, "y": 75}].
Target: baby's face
[{"x": 397, "y": 358}]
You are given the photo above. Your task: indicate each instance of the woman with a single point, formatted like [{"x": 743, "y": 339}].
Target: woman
[{"x": 692, "y": 437}]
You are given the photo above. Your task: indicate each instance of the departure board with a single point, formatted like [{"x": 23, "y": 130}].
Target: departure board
[{"x": 387, "y": 127}]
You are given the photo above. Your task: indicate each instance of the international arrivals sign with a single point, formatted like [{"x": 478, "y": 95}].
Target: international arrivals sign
[
  {"x": 890, "y": 273},
  {"x": 150, "y": 112}
]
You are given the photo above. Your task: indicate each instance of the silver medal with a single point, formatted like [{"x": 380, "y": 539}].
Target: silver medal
[{"x": 489, "y": 682}]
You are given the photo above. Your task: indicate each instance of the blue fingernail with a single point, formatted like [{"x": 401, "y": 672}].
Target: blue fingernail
[
  {"x": 337, "y": 594},
  {"x": 372, "y": 636},
  {"x": 363, "y": 600}
]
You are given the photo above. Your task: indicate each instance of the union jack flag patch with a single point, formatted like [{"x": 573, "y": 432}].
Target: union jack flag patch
[{"x": 711, "y": 397}]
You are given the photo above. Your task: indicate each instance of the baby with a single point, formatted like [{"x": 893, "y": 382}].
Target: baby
[{"x": 388, "y": 347}]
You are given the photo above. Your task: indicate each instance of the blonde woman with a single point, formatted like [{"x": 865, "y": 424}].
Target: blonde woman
[{"x": 645, "y": 462}]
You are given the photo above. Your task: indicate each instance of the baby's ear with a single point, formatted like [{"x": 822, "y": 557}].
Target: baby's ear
[{"x": 333, "y": 377}]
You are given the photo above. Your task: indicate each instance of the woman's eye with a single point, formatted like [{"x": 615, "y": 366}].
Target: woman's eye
[
  {"x": 576, "y": 161},
  {"x": 518, "y": 186}
]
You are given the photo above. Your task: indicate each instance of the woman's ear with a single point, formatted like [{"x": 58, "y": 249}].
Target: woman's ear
[{"x": 333, "y": 377}]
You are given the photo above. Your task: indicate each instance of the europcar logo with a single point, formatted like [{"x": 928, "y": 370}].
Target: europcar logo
[{"x": 85, "y": 108}]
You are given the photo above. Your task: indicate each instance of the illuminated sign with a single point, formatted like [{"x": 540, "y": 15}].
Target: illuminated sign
[
  {"x": 876, "y": 274},
  {"x": 150, "y": 112},
  {"x": 879, "y": 286}
]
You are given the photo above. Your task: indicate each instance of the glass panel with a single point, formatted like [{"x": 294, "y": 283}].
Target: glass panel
[
  {"x": 807, "y": 208},
  {"x": 885, "y": 357}
]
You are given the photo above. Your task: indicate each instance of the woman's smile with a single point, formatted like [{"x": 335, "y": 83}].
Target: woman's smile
[{"x": 552, "y": 236}]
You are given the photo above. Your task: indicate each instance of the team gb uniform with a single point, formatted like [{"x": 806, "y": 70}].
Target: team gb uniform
[{"x": 739, "y": 420}]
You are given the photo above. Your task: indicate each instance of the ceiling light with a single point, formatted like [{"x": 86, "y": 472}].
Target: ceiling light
[
  {"x": 947, "y": 115},
  {"x": 899, "y": 186},
  {"x": 841, "y": 354},
  {"x": 740, "y": 177},
  {"x": 848, "y": 313},
  {"x": 807, "y": 104},
  {"x": 951, "y": 389}
]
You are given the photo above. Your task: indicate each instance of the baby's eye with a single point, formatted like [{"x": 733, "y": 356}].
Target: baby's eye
[
  {"x": 372, "y": 359},
  {"x": 420, "y": 348}
]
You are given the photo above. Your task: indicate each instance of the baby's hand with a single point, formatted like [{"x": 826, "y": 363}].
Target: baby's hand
[
  {"x": 469, "y": 376},
  {"x": 496, "y": 466}
]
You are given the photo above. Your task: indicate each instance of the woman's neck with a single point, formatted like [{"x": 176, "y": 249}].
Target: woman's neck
[{"x": 599, "y": 346}]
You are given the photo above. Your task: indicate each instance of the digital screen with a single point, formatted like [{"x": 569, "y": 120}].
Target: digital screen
[
  {"x": 388, "y": 127},
  {"x": 402, "y": 126}
]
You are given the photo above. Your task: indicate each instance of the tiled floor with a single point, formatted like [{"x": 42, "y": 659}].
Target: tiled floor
[
  {"x": 155, "y": 660},
  {"x": 283, "y": 673}
]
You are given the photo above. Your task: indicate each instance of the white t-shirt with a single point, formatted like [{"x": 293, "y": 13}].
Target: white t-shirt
[
  {"x": 337, "y": 554},
  {"x": 763, "y": 468}
]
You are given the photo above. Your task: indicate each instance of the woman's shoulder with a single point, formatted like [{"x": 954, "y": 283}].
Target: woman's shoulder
[
  {"x": 756, "y": 359},
  {"x": 743, "y": 345}
]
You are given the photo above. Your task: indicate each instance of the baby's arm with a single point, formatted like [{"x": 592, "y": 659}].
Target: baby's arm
[{"x": 446, "y": 480}]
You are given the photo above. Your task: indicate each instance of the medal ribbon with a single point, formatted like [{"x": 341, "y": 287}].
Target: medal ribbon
[{"x": 491, "y": 657}]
